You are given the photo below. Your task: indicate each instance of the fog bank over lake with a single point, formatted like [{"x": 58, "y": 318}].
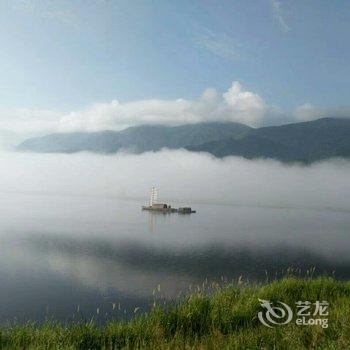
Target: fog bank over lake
[
  {"x": 73, "y": 233},
  {"x": 180, "y": 176}
]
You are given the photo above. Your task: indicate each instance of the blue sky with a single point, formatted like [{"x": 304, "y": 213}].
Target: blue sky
[{"x": 64, "y": 56}]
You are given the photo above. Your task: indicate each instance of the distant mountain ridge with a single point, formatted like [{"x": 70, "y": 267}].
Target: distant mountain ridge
[
  {"x": 304, "y": 142},
  {"x": 137, "y": 139}
]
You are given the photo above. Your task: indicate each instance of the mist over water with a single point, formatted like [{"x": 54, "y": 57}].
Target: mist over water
[
  {"x": 72, "y": 231},
  {"x": 179, "y": 175}
]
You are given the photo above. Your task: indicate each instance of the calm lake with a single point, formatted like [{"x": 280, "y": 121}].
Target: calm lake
[{"x": 68, "y": 257}]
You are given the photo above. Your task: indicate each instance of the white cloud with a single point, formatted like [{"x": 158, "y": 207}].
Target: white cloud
[
  {"x": 26, "y": 120},
  {"x": 236, "y": 105},
  {"x": 307, "y": 112},
  {"x": 115, "y": 115},
  {"x": 279, "y": 15},
  {"x": 247, "y": 106}
]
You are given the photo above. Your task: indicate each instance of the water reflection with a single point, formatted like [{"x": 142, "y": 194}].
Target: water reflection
[{"x": 94, "y": 254}]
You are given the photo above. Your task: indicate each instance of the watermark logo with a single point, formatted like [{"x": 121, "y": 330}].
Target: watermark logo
[
  {"x": 307, "y": 313},
  {"x": 274, "y": 315}
]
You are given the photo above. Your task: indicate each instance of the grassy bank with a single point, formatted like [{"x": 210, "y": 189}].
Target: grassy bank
[{"x": 227, "y": 319}]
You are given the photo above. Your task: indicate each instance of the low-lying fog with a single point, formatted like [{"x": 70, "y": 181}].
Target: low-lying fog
[
  {"x": 67, "y": 240},
  {"x": 179, "y": 175}
]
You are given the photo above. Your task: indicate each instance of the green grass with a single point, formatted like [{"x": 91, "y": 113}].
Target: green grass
[{"x": 226, "y": 319}]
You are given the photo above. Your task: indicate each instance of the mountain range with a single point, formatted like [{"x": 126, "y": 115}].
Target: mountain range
[{"x": 304, "y": 142}]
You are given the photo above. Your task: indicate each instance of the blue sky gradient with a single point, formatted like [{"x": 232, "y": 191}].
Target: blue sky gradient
[{"x": 65, "y": 55}]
